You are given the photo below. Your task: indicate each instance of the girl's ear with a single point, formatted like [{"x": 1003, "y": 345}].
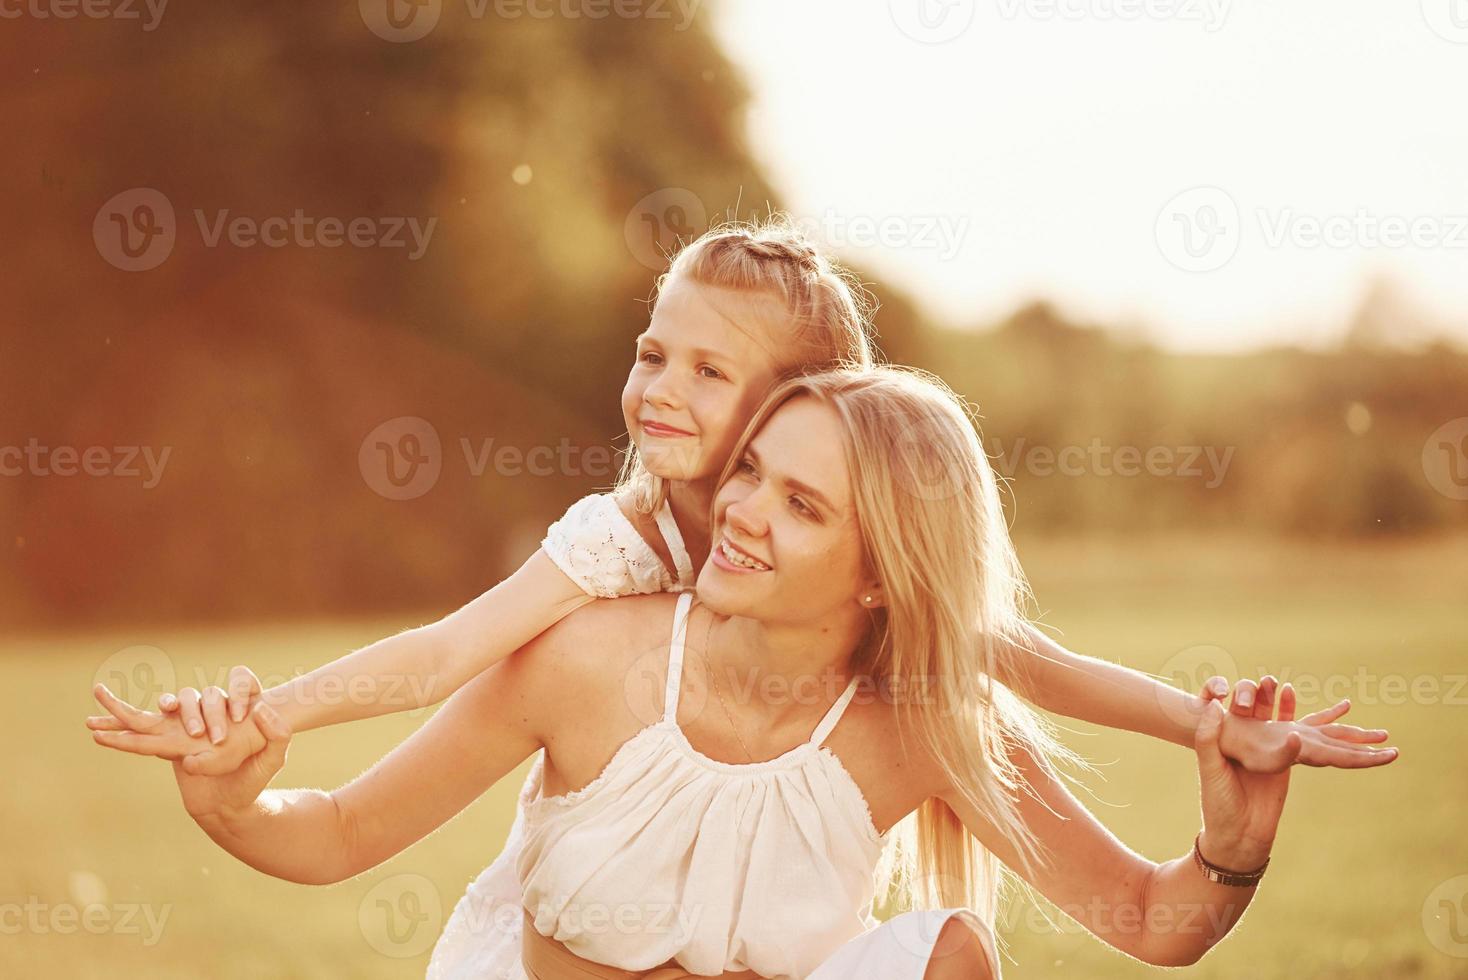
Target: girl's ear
[{"x": 872, "y": 596}]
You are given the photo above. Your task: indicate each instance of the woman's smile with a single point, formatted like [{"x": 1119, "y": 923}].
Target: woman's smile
[{"x": 733, "y": 559}]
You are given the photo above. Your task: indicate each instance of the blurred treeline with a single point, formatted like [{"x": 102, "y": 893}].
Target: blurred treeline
[{"x": 261, "y": 370}]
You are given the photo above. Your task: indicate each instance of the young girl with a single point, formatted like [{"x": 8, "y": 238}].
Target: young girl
[
  {"x": 739, "y": 309},
  {"x": 832, "y": 563}
]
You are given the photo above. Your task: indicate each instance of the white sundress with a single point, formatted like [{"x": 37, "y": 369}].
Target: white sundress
[{"x": 598, "y": 547}]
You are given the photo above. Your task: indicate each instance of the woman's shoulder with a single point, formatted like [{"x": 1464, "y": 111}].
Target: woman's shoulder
[
  {"x": 603, "y": 551},
  {"x": 607, "y": 636}
]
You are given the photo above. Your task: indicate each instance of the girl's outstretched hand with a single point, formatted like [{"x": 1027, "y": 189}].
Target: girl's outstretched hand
[
  {"x": 224, "y": 797},
  {"x": 131, "y": 729},
  {"x": 209, "y": 711},
  {"x": 1260, "y": 745}
]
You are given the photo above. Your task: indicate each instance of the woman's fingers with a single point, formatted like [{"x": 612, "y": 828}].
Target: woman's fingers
[
  {"x": 189, "y": 711},
  {"x": 214, "y": 713},
  {"x": 1245, "y": 691},
  {"x": 1264, "y": 697},
  {"x": 1287, "y": 702},
  {"x": 105, "y": 723},
  {"x": 1350, "y": 733},
  {"x": 167, "y": 702},
  {"x": 277, "y": 739},
  {"x": 243, "y": 685}
]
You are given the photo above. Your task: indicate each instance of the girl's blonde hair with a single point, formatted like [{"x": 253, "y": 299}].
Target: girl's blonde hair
[
  {"x": 934, "y": 533},
  {"x": 827, "y": 309}
]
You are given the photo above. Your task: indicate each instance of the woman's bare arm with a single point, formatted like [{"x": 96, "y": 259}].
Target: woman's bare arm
[{"x": 487, "y": 728}]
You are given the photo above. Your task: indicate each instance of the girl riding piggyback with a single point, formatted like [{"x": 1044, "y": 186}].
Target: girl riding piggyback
[{"x": 740, "y": 308}]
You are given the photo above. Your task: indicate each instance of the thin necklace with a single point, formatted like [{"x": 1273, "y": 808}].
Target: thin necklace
[{"x": 709, "y": 667}]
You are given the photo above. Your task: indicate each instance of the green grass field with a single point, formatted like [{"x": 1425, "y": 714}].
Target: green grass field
[{"x": 103, "y": 874}]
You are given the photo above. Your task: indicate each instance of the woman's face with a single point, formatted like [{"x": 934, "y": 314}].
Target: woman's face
[
  {"x": 705, "y": 362},
  {"x": 786, "y": 541}
]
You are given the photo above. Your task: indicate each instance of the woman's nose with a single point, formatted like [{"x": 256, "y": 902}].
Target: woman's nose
[{"x": 746, "y": 516}]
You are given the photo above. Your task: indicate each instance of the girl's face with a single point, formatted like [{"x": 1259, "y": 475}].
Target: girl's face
[
  {"x": 786, "y": 541},
  {"x": 703, "y": 365}
]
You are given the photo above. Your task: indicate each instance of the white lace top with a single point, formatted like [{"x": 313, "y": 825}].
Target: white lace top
[{"x": 602, "y": 552}]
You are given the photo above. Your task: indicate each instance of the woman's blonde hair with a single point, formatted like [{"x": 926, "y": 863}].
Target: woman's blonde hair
[
  {"x": 935, "y": 536},
  {"x": 828, "y": 312}
]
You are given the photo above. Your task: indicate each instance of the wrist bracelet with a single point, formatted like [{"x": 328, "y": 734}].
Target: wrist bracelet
[{"x": 1242, "y": 879}]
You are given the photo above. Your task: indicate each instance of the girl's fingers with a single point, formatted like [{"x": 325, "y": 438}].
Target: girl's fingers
[
  {"x": 134, "y": 743},
  {"x": 243, "y": 685},
  {"x": 1317, "y": 753},
  {"x": 131, "y": 717},
  {"x": 1350, "y": 733},
  {"x": 1245, "y": 691},
  {"x": 189, "y": 711},
  {"x": 167, "y": 702},
  {"x": 1328, "y": 714},
  {"x": 105, "y": 723},
  {"x": 1215, "y": 688},
  {"x": 214, "y": 713}
]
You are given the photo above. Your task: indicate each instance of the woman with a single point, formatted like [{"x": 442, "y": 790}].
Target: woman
[{"x": 860, "y": 544}]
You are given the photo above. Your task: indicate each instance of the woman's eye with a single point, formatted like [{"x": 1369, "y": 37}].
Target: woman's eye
[
  {"x": 651, "y": 357},
  {"x": 745, "y": 466},
  {"x": 710, "y": 372},
  {"x": 802, "y": 507}
]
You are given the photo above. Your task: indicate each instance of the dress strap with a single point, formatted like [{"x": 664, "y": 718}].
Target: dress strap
[
  {"x": 833, "y": 713},
  {"x": 674, "y": 539},
  {"x": 675, "y": 656}
]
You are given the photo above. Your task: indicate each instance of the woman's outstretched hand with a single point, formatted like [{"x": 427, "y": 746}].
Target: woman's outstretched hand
[
  {"x": 1241, "y": 809},
  {"x": 1261, "y": 745},
  {"x": 131, "y": 729},
  {"x": 225, "y": 797}
]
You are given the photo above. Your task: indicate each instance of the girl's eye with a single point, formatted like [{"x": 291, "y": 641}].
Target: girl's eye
[
  {"x": 710, "y": 372},
  {"x": 745, "y": 466},
  {"x": 651, "y": 357},
  {"x": 802, "y": 507}
]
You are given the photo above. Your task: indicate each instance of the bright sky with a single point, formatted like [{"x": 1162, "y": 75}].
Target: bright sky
[{"x": 1013, "y": 149}]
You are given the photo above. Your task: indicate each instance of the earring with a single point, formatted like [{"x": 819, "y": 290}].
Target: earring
[{"x": 866, "y": 598}]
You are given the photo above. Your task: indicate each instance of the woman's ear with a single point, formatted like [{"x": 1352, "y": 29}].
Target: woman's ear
[{"x": 872, "y": 596}]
